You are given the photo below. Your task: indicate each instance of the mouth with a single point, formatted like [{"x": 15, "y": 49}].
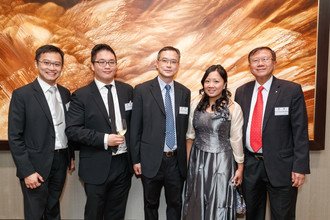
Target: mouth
[
  {"x": 211, "y": 91},
  {"x": 107, "y": 72},
  {"x": 51, "y": 73}
]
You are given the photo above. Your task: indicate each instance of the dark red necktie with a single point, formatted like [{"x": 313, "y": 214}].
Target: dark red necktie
[{"x": 256, "y": 123}]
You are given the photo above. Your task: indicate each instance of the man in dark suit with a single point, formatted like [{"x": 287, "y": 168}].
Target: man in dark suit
[
  {"x": 94, "y": 119},
  {"x": 275, "y": 139},
  {"x": 37, "y": 141},
  {"x": 158, "y": 129}
]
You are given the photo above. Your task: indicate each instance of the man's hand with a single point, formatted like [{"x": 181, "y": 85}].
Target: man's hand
[
  {"x": 115, "y": 139},
  {"x": 137, "y": 169},
  {"x": 297, "y": 179},
  {"x": 33, "y": 181}
]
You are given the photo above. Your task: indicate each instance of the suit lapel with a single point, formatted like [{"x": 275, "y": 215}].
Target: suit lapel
[
  {"x": 40, "y": 96},
  {"x": 177, "y": 98},
  {"x": 274, "y": 92},
  {"x": 63, "y": 97},
  {"x": 120, "y": 91},
  {"x": 99, "y": 101},
  {"x": 247, "y": 102},
  {"x": 157, "y": 94}
]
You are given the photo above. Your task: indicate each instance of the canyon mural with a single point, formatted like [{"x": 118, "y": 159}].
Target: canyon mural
[{"x": 206, "y": 31}]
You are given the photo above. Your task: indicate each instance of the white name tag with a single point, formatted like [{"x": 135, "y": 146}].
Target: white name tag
[
  {"x": 67, "y": 105},
  {"x": 281, "y": 111},
  {"x": 128, "y": 106},
  {"x": 183, "y": 110}
]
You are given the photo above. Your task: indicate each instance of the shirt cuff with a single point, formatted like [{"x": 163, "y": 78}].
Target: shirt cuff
[{"x": 105, "y": 141}]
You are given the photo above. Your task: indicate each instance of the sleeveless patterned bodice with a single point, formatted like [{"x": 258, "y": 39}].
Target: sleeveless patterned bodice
[{"x": 212, "y": 130}]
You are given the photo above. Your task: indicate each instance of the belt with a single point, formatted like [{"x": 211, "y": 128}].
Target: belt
[
  {"x": 61, "y": 150},
  {"x": 170, "y": 153},
  {"x": 258, "y": 156}
]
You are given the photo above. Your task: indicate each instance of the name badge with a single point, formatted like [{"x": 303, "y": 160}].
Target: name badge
[
  {"x": 67, "y": 105},
  {"x": 281, "y": 111},
  {"x": 183, "y": 110},
  {"x": 128, "y": 106}
]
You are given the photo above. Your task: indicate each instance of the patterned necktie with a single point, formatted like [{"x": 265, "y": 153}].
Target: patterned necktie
[
  {"x": 170, "y": 134},
  {"x": 256, "y": 123},
  {"x": 56, "y": 110},
  {"x": 58, "y": 116}
]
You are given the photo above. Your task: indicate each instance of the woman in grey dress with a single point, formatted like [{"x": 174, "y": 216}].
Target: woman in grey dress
[{"x": 214, "y": 138}]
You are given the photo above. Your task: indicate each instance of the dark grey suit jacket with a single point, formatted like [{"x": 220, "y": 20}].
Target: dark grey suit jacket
[
  {"x": 31, "y": 131},
  {"x": 88, "y": 122},
  {"x": 284, "y": 137},
  {"x": 148, "y": 126}
]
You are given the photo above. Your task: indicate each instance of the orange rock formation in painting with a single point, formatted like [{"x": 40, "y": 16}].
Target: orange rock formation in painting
[{"x": 206, "y": 32}]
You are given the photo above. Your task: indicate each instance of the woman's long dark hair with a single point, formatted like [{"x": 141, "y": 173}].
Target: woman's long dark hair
[{"x": 221, "y": 102}]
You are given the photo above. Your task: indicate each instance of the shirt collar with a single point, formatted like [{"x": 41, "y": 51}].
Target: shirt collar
[
  {"x": 162, "y": 84},
  {"x": 44, "y": 86},
  {"x": 266, "y": 85},
  {"x": 100, "y": 84}
]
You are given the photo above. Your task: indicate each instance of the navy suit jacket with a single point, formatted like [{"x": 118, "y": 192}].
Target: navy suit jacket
[
  {"x": 31, "y": 131},
  {"x": 88, "y": 122},
  {"x": 148, "y": 126},
  {"x": 285, "y": 142}
]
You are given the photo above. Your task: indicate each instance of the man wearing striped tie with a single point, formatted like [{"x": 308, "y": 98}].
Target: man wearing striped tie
[{"x": 275, "y": 139}]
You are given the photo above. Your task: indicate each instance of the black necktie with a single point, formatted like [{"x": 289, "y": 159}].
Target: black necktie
[
  {"x": 111, "y": 110},
  {"x": 112, "y": 115}
]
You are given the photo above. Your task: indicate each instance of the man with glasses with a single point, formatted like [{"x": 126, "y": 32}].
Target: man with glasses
[
  {"x": 275, "y": 139},
  {"x": 158, "y": 129},
  {"x": 36, "y": 134},
  {"x": 96, "y": 117}
]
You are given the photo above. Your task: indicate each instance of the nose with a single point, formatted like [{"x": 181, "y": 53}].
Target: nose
[
  {"x": 261, "y": 62},
  {"x": 210, "y": 84},
  {"x": 168, "y": 63},
  {"x": 51, "y": 66}
]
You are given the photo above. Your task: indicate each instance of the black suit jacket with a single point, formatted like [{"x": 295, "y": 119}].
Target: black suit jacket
[
  {"x": 31, "y": 131},
  {"x": 284, "y": 137},
  {"x": 88, "y": 122},
  {"x": 148, "y": 126}
]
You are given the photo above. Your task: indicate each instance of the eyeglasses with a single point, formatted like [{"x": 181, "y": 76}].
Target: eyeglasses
[
  {"x": 167, "y": 61},
  {"x": 103, "y": 63},
  {"x": 263, "y": 60},
  {"x": 49, "y": 63}
]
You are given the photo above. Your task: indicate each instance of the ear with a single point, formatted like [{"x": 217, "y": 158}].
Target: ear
[
  {"x": 92, "y": 67},
  {"x": 36, "y": 64},
  {"x": 157, "y": 64}
]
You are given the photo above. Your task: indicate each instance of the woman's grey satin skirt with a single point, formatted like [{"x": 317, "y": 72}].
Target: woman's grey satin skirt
[{"x": 209, "y": 192}]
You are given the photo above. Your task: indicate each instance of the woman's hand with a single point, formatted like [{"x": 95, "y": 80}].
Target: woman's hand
[{"x": 238, "y": 177}]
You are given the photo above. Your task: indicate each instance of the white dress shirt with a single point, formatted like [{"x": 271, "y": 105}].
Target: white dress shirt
[
  {"x": 60, "y": 127},
  {"x": 122, "y": 148},
  {"x": 162, "y": 85},
  {"x": 265, "y": 93}
]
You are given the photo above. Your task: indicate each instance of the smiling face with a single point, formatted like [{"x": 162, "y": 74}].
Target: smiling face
[
  {"x": 49, "y": 66},
  {"x": 105, "y": 73},
  {"x": 167, "y": 65},
  {"x": 262, "y": 65},
  {"x": 213, "y": 85}
]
